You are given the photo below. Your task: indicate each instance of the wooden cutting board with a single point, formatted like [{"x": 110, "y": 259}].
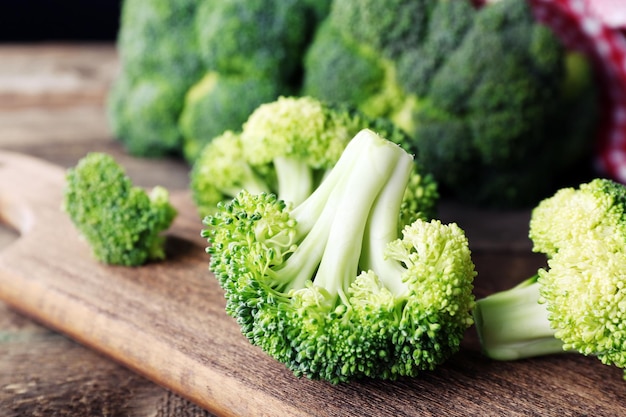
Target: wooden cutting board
[{"x": 166, "y": 321}]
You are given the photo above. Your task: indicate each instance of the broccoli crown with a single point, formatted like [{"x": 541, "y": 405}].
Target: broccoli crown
[
  {"x": 121, "y": 222},
  {"x": 290, "y": 145},
  {"x": 485, "y": 94},
  {"x": 327, "y": 287},
  {"x": 578, "y": 302}
]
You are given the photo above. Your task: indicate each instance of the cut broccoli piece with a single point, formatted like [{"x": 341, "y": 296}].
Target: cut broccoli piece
[
  {"x": 290, "y": 144},
  {"x": 327, "y": 287},
  {"x": 578, "y": 302},
  {"x": 121, "y": 222}
]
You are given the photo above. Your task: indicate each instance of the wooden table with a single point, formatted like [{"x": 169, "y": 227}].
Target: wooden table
[{"x": 51, "y": 107}]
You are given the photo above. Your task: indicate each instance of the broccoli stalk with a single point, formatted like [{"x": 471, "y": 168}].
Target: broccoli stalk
[
  {"x": 578, "y": 302},
  {"x": 523, "y": 327},
  {"x": 328, "y": 288}
]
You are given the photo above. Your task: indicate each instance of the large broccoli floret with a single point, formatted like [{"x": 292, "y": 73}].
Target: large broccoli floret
[
  {"x": 328, "y": 288},
  {"x": 121, "y": 222},
  {"x": 287, "y": 147},
  {"x": 488, "y": 95},
  {"x": 578, "y": 302}
]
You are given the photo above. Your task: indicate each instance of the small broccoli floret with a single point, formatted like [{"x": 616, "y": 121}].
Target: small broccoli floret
[
  {"x": 121, "y": 222},
  {"x": 290, "y": 145},
  {"x": 578, "y": 302},
  {"x": 221, "y": 171},
  {"x": 328, "y": 288}
]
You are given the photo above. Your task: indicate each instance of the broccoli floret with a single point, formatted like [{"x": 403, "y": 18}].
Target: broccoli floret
[
  {"x": 287, "y": 147},
  {"x": 578, "y": 302},
  {"x": 327, "y": 287},
  {"x": 218, "y": 103},
  {"x": 486, "y": 94},
  {"x": 120, "y": 221}
]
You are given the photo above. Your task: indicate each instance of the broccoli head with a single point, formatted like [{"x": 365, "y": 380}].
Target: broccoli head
[
  {"x": 121, "y": 222},
  {"x": 287, "y": 147},
  {"x": 328, "y": 287},
  {"x": 191, "y": 70},
  {"x": 578, "y": 302},
  {"x": 494, "y": 107}
]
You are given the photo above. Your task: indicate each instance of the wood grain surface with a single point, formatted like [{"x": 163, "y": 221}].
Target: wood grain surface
[
  {"x": 166, "y": 321},
  {"x": 46, "y": 373}
]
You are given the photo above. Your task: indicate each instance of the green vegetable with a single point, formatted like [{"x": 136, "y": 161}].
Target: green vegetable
[
  {"x": 498, "y": 111},
  {"x": 578, "y": 302},
  {"x": 327, "y": 287},
  {"x": 120, "y": 221},
  {"x": 287, "y": 147},
  {"x": 218, "y": 103},
  {"x": 205, "y": 65},
  {"x": 155, "y": 43}
]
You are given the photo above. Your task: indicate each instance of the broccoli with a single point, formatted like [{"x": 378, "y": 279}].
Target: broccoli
[
  {"x": 577, "y": 303},
  {"x": 121, "y": 222},
  {"x": 156, "y": 71},
  {"x": 191, "y": 70},
  {"x": 287, "y": 147},
  {"x": 219, "y": 103},
  {"x": 497, "y": 110},
  {"x": 327, "y": 288}
]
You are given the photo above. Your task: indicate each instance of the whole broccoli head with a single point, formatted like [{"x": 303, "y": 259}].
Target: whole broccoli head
[
  {"x": 577, "y": 303},
  {"x": 121, "y": 222},
  {"x": 495, "y": 107},
  {"x": 287, "y": 147},
  {"x": 328, "y": 288}
]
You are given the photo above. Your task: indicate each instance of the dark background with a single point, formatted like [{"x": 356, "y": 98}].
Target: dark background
[{"x": 59, "y": 20}]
